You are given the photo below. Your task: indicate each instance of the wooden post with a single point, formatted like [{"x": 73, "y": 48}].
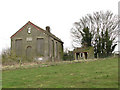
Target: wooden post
[
  {"x": 75, "y": 56},
  {"x": 84, "y": 56}
]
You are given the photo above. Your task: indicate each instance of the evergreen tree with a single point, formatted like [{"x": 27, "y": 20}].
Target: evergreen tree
[{"x": 86, "y": 37}]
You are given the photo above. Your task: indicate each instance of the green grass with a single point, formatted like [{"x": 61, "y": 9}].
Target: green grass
[{"x": 96, "y": 74}]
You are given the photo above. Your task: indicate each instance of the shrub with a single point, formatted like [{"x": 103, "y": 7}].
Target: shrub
[
  {"x": 68, "y": 56},
  {"x": 9, "y": 57}
]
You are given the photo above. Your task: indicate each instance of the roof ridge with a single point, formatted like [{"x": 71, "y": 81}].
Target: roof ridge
[
  {"x": 46, "y": 31},
  {"x": 37, "y": 27}
]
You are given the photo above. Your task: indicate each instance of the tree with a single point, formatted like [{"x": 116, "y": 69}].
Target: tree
[
  {"x": 108, "y": 46},
  {"x": 98, "y": 30},
  {"x": 82, "y": 33},
  {"x": 104, "y": 45},
  {"x": 86, "y": 37}
]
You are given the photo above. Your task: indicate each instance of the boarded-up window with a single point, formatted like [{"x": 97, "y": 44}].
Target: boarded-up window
[
  {"x": 49, "y": 47},
  {"x": 40, "y": 46},
  {"x": 52, "y": 48},
  {"x": 56, "y": 50},
  {"x": 18, "y": 47}
]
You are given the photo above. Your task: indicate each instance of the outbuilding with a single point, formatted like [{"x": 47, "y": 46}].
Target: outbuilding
[{"x": 83, "y": 53}]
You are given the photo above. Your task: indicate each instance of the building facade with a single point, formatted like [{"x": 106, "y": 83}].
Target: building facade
[{"x": 32, "y": 42}]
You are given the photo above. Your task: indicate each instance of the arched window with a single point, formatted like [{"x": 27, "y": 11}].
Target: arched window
[{"x": 29, "y": 30}]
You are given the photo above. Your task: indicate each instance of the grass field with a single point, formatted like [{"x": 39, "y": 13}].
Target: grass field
[{"x": 96, "y": 74}]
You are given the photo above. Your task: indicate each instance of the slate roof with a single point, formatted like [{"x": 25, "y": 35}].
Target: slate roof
[{"x": 38, "y": 28}]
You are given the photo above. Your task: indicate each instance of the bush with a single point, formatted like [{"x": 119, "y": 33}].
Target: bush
[
  {"x": 9, "y": 57},
  {"x": 68, "y": 56}
]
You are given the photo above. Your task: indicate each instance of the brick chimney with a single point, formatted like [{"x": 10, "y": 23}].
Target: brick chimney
[{"x": 48, "y": 29}]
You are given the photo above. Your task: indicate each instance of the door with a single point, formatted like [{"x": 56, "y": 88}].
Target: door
[{"x": 29, "y": 52}]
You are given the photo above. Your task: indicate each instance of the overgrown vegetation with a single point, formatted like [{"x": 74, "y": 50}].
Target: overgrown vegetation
[
  {"x": 68, "y": 56},
  {"x": 102, "y": 73},
  {"x": 10, "y": 58},
  {"x": 98, "y": 30}
]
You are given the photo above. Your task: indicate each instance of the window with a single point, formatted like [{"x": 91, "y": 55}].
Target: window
[
  {"x": 52, "y": 48},
  {"x": 40, "y": 46},
  {"x": 18, "y": 47},
  {"x": 56, "y": 50},
  {"x": 29, "y": 30}
]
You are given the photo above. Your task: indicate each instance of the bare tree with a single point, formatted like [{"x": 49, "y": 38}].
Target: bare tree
[{"x": 97, "y": 23}]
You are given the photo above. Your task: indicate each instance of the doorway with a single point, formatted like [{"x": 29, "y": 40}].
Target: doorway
[
  {"x": 77, "y": 56},
  {"x": 28, "y": 52},
  {"x": 85, "y": 53}
]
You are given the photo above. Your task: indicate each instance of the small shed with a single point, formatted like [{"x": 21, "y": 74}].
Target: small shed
[{"x": 83, "y": 53}]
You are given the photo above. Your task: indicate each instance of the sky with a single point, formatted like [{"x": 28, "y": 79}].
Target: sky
[{"x": 58, "y": 14}]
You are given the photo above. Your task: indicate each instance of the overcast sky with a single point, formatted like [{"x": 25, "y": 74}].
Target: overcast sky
[{"x": 58, "y": 14}]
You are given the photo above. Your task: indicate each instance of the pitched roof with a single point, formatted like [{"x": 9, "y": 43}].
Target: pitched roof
[
  {"x": 38, "y": 28},
  {"x": 82, "y": 49}
]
